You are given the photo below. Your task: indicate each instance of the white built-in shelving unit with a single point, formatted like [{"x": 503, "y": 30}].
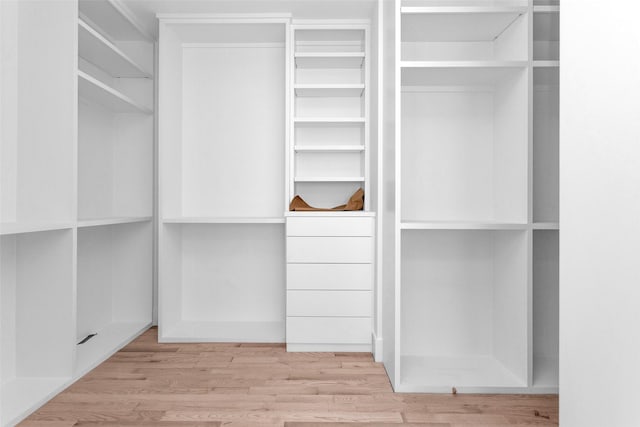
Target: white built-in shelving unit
[
  {"x": 223, "y": 128},
  {"x": 476, "y": 207},
  {"x": 77, "y": 193},
  {"x": 329, "y": 127}
]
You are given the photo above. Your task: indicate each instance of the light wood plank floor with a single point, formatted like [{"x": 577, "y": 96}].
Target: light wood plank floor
[{"x": 169, "y": 385}]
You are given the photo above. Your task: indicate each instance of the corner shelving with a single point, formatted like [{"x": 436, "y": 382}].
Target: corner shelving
[
  {"x": 115, "y": 19},
  {"x": 94, "y": 90},
  {"x": 101, "y": 52}
]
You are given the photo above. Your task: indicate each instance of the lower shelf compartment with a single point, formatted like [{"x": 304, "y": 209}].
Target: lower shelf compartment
[
  {"x": 194, "y": 331},
  {"x": 108, "y": 340},
  {"x": 22, "y": 396},
  {"x": 440, "y": 374}
]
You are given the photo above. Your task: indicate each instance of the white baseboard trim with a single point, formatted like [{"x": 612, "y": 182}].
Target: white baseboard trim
[{"x": 377, "y": 347}]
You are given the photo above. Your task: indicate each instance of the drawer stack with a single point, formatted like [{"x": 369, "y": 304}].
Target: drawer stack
[{"x": 329, "y": 283}]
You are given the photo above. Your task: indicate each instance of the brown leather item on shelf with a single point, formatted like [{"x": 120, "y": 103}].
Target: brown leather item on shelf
[{"x": 355, "y": 203}]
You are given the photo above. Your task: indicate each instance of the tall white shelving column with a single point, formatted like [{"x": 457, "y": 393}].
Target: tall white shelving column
[
  {"x": 462, "y": 246},
  {"x": 330, "y": 255},
  {"x": 222, "y": 143}
]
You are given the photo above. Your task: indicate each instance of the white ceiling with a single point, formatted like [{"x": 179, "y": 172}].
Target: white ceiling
[{"x": 146, "y": 10}]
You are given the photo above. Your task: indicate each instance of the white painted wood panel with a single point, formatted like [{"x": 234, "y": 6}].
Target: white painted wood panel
[
  {"x": 329, "y": 250},
  {"x": 330, "y": 276},
  {"x": 233, "y": 131},
  {"x": 326, "y": 303}
]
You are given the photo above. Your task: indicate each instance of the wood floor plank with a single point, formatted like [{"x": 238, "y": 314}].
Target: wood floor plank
[{"x": 255, "y": 385}]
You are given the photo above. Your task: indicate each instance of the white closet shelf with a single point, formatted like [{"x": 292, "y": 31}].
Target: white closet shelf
[
  {"x": 7, "y": 228},
  {"x": 98, "y": 92},
  {"x": 224, "y": 220},
  {"x": 115, "y": 19},
  {"x": 97, "y": 222},
  {"x": 546, "y": 9},
  {"x": 457, "y": 23},
  {"x": 440, "y": 374},
  {"x": 329, "y": 90},
  {"x": 99, "y": 51},
  {"x": 194, "y": 331},
  {"x": 108, "y": 341},
  {"x": 22, "y": 396},
  {"x": 330, "y": 179},
  {"x": 463, "y": 64},
  {"x": 328, "y": 148},
  {"x": 540, "y": 63},
  {"x": 329, "y": 59},
  {"x": 546, "y": 226},
  {"x": 458, "y": 73},
  {"x": 328, "y": 120},
  {"x": 461, "y": 225}
]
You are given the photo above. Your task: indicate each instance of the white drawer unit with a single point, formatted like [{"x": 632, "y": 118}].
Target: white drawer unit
[
  {"x": 329, "y": 282},
  {"x": 335, "y": 250},
  {"x": 329, "y": 303},
  {"x": 330, "y": 277}
]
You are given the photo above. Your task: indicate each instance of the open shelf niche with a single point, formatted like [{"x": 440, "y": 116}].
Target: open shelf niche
[
  {"x": 36, "y": 330},
  {"x": 464, "y": 310},
  {"x": 114, "y": 289},
  {"x": 328, "y": 153},
  {"x": 222, "y": 179},
  {"x": 435, "y": 32},
  {"x": 464, "y": 144}
]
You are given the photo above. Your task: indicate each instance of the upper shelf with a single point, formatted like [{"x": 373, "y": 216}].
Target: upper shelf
[
  {"x": 329, "y": 59},
  {"x": 115, "y": 19},
  {"x": 454, "y": 73},
  {"x": 457, "y": 23},
  {"x": 94, "y": 90},
  {"x": 329, "y": 90},
  {"x": 96, "y": 49}
]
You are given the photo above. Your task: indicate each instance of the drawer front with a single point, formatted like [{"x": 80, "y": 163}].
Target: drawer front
[
  {"x": 337, "y": 250},
  {"x": 330, "y": 276},
  {"x": 329, "y": 303},
  {"x": 329, "y": 330},
  {"x": 330, "y": 227}
]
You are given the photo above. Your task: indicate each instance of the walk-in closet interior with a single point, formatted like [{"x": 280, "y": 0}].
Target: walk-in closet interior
[{"x": 151, "y": 150}]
